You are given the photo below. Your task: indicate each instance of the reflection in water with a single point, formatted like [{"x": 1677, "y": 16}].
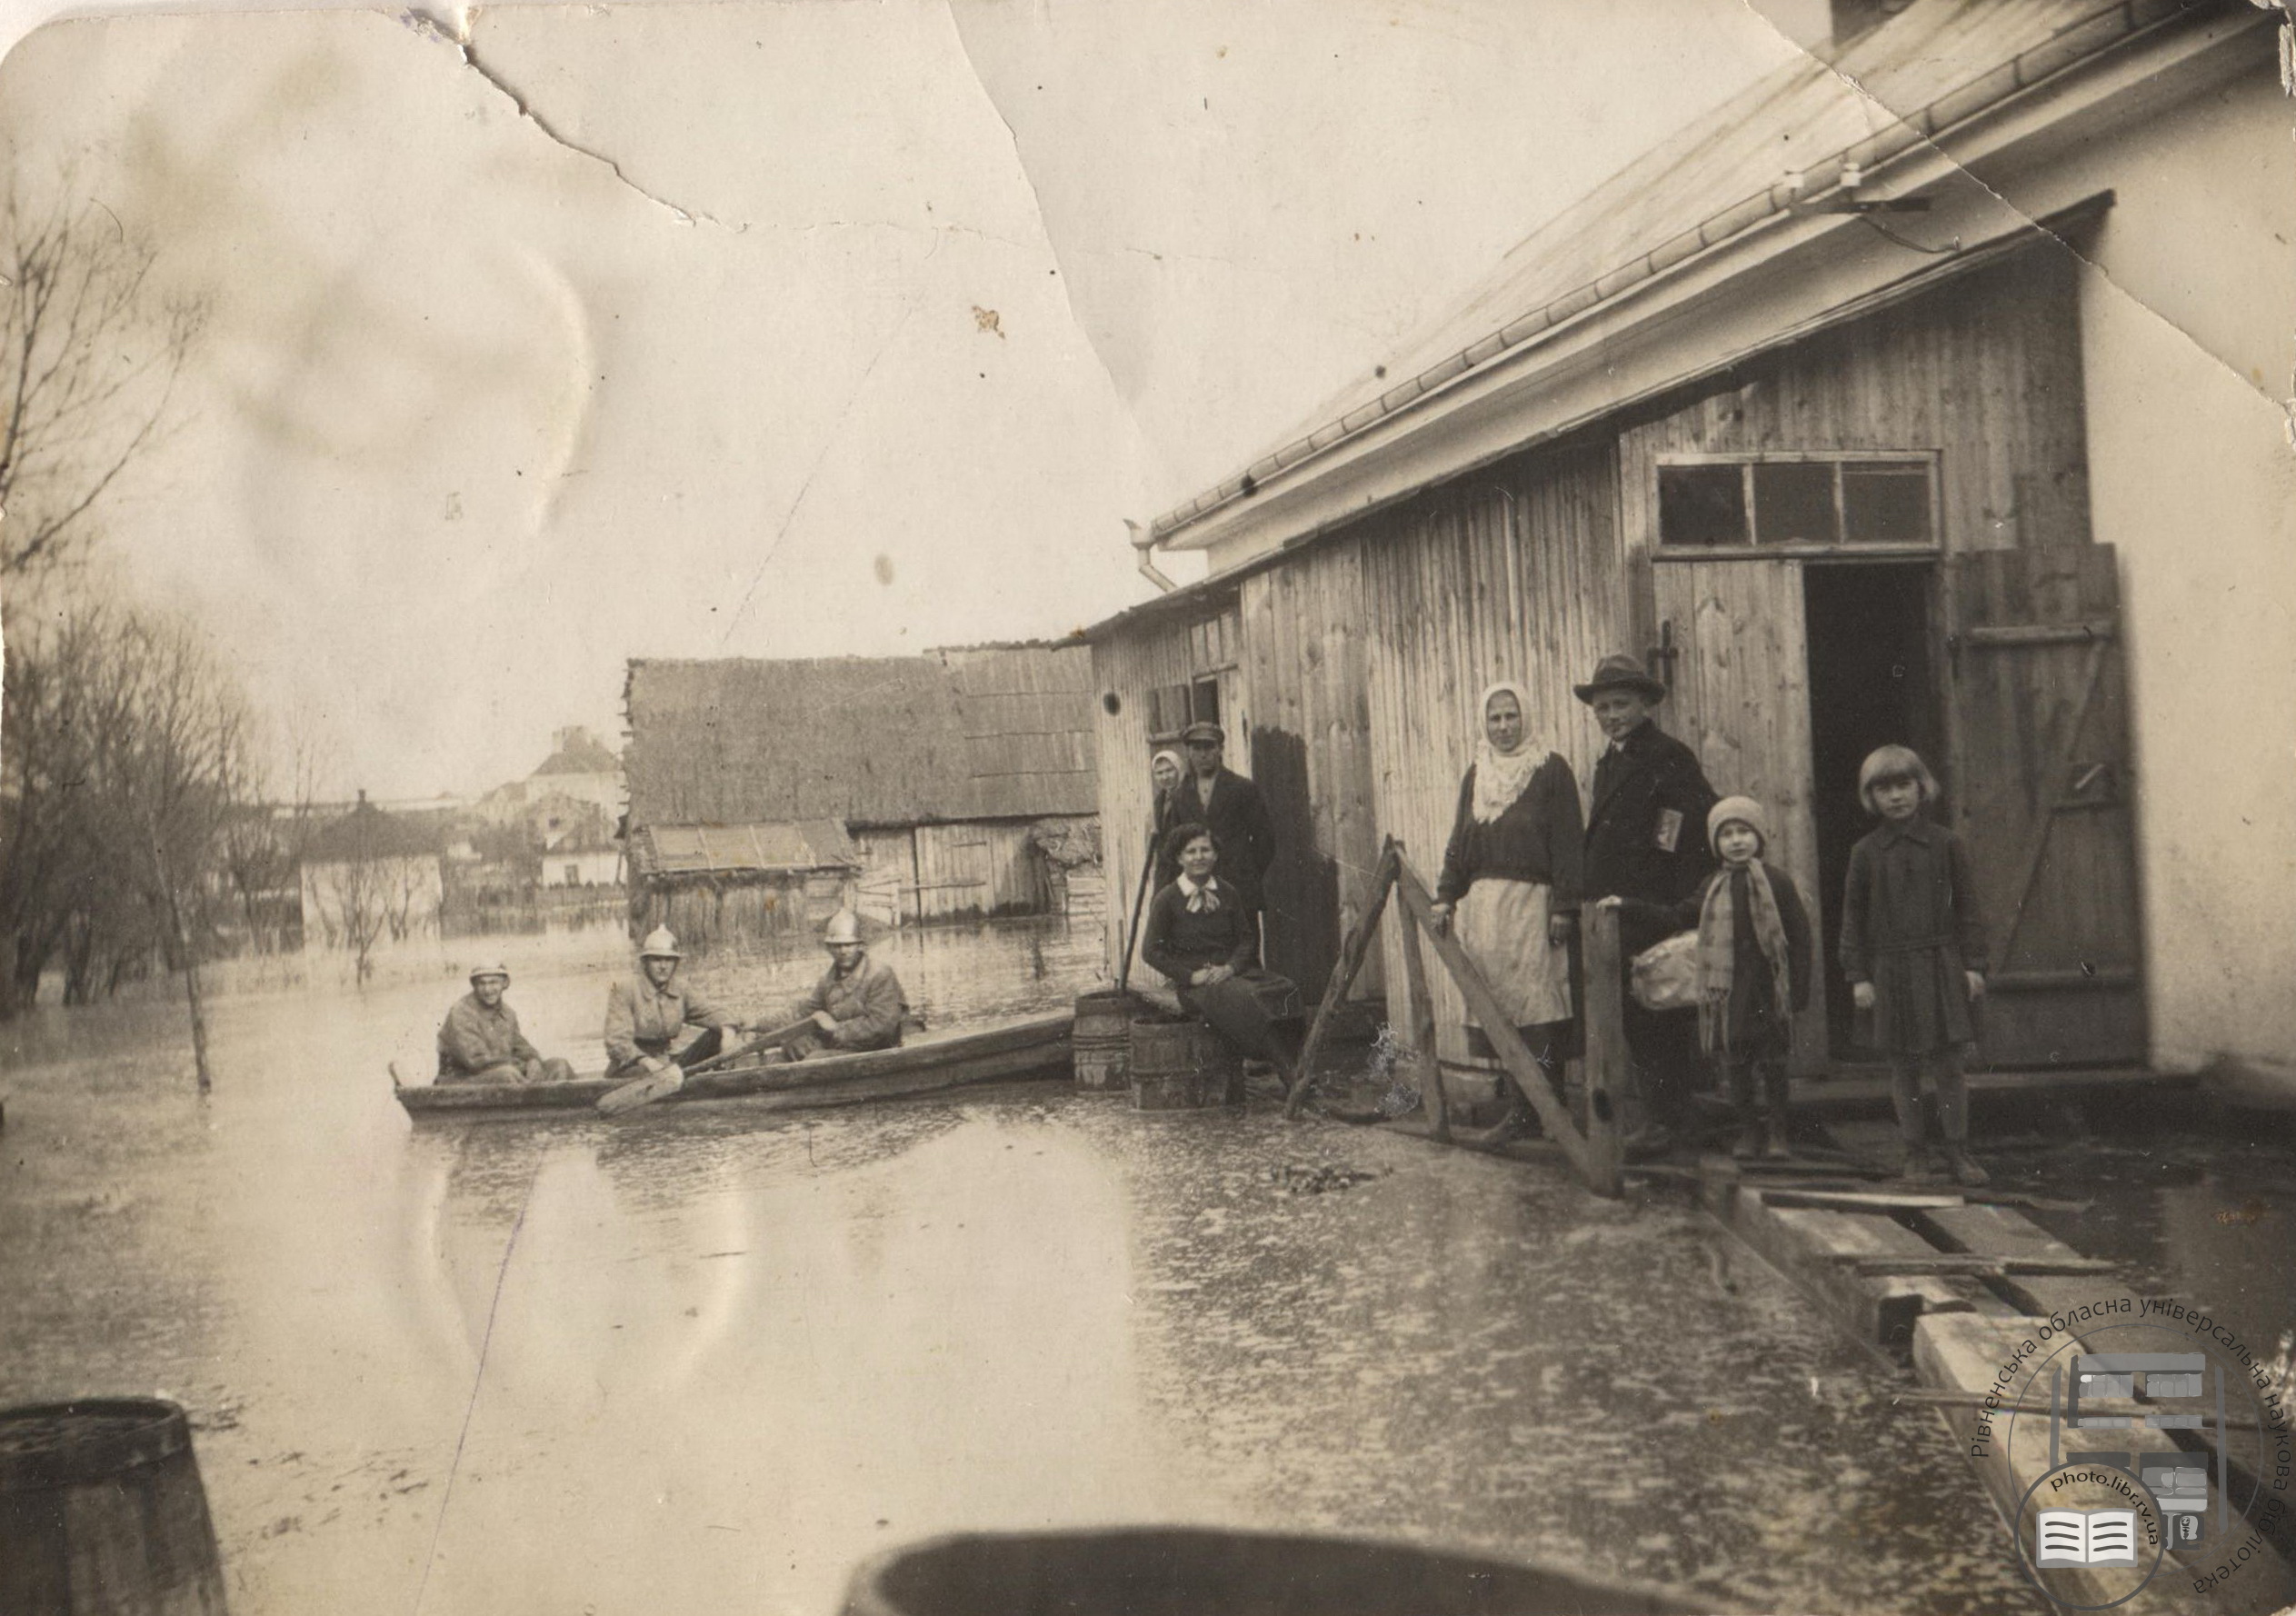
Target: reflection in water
[{"x": 707, "y": 1359}]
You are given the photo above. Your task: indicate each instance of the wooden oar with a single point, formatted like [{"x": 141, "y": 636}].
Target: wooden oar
[{"x": 656, "y": 1085}]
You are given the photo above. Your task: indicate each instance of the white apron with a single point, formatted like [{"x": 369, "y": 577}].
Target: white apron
[{"x": 1502, "y": 926}]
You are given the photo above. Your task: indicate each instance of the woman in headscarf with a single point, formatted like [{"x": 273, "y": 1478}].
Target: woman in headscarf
[
  {"x": 1511, "y": 873},
  {"x": 1167, "y": 770},
  {"x": 1206, "y": 940}
]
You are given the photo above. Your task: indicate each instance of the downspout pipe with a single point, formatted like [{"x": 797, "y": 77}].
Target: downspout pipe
[{"x": 1144, "y": 541}]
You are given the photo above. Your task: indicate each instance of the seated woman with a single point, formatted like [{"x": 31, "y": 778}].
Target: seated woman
[{"x": 1207, "y": 941}]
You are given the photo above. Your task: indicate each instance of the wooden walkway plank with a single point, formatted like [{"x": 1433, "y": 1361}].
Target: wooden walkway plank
[{"x": 1805, "y": 1244}]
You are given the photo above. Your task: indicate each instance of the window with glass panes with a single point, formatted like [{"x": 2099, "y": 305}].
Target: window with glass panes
[{"x": 1711, "y": 503}]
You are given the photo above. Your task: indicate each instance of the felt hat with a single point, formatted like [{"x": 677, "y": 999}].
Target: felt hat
[
  {"x": 660, "y": 944},
  {"x": 1745, "y": 811},
  {"x": 1205, "y": 730},
  {"x": 490, "y": 969},
  {"x": 1620, "y": 672},
  {"x": 844, "y": 926}
]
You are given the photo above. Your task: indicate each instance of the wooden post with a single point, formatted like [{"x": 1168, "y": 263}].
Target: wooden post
[
  {"x": 1351, "y": 955},
  {"x": 1601, "y": 1173},
  {"x": 1607, "y": 1070},
  {"x": 1422, "y": 1026}
]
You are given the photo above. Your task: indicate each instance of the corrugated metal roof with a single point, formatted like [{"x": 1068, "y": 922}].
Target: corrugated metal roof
[
  {"x": 1933, "y": 65},
  {"x": 738, "y": 849},
  {"x": 987, "y": 733}
]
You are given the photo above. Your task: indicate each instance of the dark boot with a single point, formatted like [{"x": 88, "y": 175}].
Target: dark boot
[
  {"x": 1953, "y": 1116},
  {"x": 1775, "y": 1104},
  {"x": 1775, "y": 1146}
]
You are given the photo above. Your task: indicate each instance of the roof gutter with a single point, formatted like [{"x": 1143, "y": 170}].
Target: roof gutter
[
  {"x": 1144, "y": 541},
  {"x": 2078, "y": 44}
]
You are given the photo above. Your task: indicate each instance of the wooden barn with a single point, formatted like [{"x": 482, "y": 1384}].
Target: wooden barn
[
  {"x": 958, "y": 779},
  {"x": 714, "y": 884},
  {"x": 1920, "y": 393}
]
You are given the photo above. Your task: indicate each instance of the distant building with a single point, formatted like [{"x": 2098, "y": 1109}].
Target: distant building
[
  {"x": 963, "y": 779},
  {"x": 372, "y": 880},
  {"x": 579, "y": 766}
]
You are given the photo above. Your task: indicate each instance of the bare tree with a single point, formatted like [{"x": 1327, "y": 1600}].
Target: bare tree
[
  {"x": 128, "y": 756},
  {"x": 90, "y": 354}
]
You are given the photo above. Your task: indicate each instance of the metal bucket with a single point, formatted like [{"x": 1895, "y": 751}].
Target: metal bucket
[
  {"x": 102, "y": 1509},
  {"x": 1182, "y": 1065},
  {"x": 1182, "y": 1572},
  {"x": 1102, "y": 1037}
]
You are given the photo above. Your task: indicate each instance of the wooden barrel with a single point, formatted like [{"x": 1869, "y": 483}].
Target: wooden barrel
[
  {"x": 1103, "y": 1038},
  {"x": 1182, "y": 1065},
  {"x": 101, "y": 1511},
  {"x": 1125, "y": 1572}
]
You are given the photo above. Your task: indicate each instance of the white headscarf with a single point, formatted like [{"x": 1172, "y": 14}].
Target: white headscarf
[{"x": 1500, "y": 777}]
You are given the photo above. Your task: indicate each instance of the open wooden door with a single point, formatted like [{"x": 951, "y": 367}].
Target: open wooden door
[
  {"x": 1742, "y": 703},
  {"x": 2041, "y": 791}
]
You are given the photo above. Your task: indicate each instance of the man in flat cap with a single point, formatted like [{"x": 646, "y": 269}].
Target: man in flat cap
[
  {"x": 1227, "y": 805},
  {"x": 1646, "y": 839}
]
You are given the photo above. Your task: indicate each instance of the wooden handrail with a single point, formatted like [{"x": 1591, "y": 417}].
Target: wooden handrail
[{"x": 1594, "y": 1153}]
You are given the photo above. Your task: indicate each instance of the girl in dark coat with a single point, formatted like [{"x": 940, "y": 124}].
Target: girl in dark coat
[
  {"x": 1206, "y": 940},
  {"x": 1913, "y": 950}
]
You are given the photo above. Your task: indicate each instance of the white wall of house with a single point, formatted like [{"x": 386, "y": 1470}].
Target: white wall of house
[
  {"x": 2189, "y": 340},
  {"x": 597, "y": 867}
]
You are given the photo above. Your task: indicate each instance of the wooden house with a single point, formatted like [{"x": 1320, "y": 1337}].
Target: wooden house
[
  {"x": 1928, "y": 392},
  {"x": 715, "y": 884},
  {"x": 952, "y": 773}
]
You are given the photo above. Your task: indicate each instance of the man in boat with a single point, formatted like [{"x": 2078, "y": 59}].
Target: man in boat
[
  {"x": 1227, "y": 805},
  {"x": 479, "y": 1041},
  {"x": 857, "y": 1004},
  {"x": 647, "y": 1013}
]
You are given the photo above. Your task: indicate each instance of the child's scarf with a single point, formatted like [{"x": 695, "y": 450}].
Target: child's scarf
[{"x": 1717, "y": 932}]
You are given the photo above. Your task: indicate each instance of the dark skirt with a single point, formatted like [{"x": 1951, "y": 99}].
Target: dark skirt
[
  {"x": 1246, "y": 1011},
  {"x": 1921, "y": 1003}
]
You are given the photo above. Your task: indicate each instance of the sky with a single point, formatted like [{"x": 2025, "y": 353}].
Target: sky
[{"x": 801, "y": 328}]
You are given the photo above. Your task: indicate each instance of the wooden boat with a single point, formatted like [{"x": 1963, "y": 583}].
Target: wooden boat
[{"x": 1035, "y": 1048}]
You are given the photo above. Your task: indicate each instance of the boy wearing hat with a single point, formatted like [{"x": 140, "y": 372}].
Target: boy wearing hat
[
  {"x": 1228, "y": 805},
  {"x": 857, "y": 1004},
  {"x": 1646, "y": 843},
  {"x": 646, "y": 1014},
  {"x": 479, "y": 1041}
]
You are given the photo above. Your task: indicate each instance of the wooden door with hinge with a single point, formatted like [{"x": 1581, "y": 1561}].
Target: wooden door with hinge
[
  {"x": 2041, "y": 786},
  {"x": 1741, "y": 701}
]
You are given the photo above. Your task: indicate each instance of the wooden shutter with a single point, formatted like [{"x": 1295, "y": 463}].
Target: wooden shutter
[
  {"x": 1741, "y": 702},
  {"x": 2041, "y": 793}
]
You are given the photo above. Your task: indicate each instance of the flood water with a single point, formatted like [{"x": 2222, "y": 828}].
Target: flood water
[{"x": 696, "y": 1360}]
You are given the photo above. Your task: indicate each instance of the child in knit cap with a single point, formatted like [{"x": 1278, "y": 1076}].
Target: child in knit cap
[{"x": 1754, "y": 971}]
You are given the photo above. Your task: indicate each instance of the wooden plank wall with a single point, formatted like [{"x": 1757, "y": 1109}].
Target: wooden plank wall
[
  {"x": 710, "y": 915},
  {"x": 1304, "y": 670},
  {"x": 1986, "y": 369},
  {"x": 1132, "y": 661},
  {"x": 968, "y": 870},
  {"x": 1514, "y": 574}
]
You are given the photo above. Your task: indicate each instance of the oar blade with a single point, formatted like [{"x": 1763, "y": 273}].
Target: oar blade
[{"x": 641, "y": 1091}]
